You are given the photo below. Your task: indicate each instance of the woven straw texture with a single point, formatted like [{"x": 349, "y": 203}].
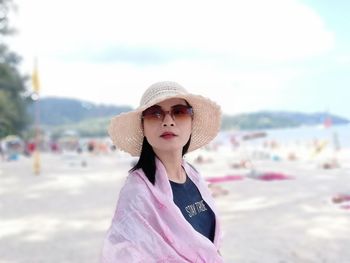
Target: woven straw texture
[{"x": 126, "y": 132}]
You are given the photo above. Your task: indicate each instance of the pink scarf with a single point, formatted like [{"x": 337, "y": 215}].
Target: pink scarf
[{"x": 148, "y": 226}]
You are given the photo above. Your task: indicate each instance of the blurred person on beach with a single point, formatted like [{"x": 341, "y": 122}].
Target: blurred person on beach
[{"x": 165, "y": 211}]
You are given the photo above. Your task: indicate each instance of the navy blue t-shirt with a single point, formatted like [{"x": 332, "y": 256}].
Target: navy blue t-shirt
[{"x": 195, "y": 210}]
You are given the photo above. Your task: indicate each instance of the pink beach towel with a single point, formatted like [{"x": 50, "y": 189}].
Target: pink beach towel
[
  {"x": 224, "y": 178},
  {"x": 271, "y": 176}
]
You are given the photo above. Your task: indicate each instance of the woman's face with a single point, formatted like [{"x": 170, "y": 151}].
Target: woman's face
[{"x": 167, "y": 125}]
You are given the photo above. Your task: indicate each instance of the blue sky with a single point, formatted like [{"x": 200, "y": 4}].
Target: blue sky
[{"x": 246, "y": 55}]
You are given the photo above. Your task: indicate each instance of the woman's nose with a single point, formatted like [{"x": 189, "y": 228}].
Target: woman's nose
[{"x": 168, "y": 119}]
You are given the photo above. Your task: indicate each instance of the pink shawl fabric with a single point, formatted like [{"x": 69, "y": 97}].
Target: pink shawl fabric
[{"x": 148, "y": 227}]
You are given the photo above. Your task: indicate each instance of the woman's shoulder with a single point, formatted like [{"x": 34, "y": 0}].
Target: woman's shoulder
[
  {"x": 195, "y": 175},
  {"x": 135, "y": 181},
  {"x": 192, "y": 167},
  {"x": 193, "y": 172},
  {"x": 135, "y": 187},
  {"x": 134, "y": 195}
]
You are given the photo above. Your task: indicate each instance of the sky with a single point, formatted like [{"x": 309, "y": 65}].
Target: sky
[{"x": 247, "y": 55}]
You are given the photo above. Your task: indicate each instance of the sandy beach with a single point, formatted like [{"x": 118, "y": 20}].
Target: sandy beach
[{"x": 62, "y": 214}]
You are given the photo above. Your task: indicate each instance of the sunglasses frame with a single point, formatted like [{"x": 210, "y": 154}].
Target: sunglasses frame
[{"x": 161, "y": 117}]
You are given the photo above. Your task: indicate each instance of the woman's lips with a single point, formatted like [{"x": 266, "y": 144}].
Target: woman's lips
[{"x": 168, "y": 135}]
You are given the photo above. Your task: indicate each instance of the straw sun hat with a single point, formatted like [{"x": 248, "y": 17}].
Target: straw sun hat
[{"x": 126, "y": 132}]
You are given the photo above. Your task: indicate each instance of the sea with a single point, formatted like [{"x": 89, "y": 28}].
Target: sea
[{"x": 335, "y": 134}]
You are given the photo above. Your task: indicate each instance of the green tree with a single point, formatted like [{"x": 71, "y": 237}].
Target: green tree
[{"x": 13, "y": 102}]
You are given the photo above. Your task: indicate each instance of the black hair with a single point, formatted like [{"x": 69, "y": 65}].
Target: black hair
[{"x": 147, "y": 160}]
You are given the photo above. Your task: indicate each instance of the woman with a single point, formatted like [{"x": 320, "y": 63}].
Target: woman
[{"x": 165, "y": 212}]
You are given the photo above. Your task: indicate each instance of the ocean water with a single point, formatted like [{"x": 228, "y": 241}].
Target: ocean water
[{"x": 339, "y": 134}]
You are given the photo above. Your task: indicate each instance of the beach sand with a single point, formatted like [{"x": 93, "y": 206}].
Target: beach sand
[{"x": 62, "y": 214}]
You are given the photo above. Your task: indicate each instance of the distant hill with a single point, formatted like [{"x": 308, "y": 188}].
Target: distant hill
[
  {"x": 89, "y": 119},
  {"x": 62, "y": 111},
  {"x": 278, "y": 119}
]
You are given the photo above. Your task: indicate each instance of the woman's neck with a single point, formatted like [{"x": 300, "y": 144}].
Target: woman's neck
[{"x": 173, "y": 167}]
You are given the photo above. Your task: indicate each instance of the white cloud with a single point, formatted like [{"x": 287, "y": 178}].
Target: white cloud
[{"x": 270, "y": 30}]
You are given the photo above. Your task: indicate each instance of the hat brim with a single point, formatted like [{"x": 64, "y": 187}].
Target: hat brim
[{"x": 126, "y": 132}]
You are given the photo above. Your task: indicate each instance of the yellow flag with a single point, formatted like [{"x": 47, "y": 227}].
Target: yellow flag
[
  {"x": 35, "y": 78},
  {"x": 36, "y": 164}
]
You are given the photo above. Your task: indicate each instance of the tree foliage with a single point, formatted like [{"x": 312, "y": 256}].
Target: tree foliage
[
  {"x": 13, "y": 117},
  {"x": 5, "y": 7}
]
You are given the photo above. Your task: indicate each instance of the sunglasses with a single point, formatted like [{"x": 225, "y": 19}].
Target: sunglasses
[{"x": 177, "y": 112}]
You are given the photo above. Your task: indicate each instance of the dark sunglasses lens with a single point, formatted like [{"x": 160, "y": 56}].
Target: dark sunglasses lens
[
  {"x": 153, "y": 113},
  {"x": 181, "y": 111}
]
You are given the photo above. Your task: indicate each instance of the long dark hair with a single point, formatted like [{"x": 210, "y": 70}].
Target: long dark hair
[{"x": 147, "y": 160}]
